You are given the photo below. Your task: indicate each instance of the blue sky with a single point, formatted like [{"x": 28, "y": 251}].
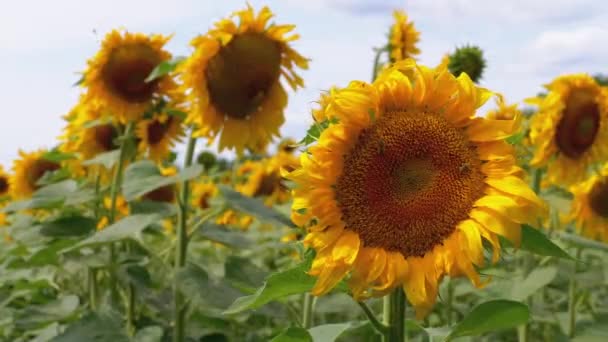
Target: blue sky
[{"x": 526, "y": 42}]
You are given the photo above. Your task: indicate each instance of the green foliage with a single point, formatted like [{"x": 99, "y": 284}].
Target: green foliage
[
  {"x": 468, "y": 59},
  {"x": 491, "y": 316}
]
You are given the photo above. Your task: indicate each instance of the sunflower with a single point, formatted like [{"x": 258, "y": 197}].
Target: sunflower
[
  {"x": 4, "y": 183},
  {"x": 27, "y": 171},
  {"x": 403, "y": 38},
  {"x": 233, "y": 78},
  {"x": 115, "y": 77},
  {"x": 570, "y": 129},
  {"x": 202, "y": 192},
  {"x": 504, "y": 111},
  {"x": 158, "y": 135},
  {"x": 232, "y": 218},
  {"x": 589, "y": 209},
  {"x": 122, "y": 210},
  {"x": 401, "y": 189},
  {"x": 264, "y": 178}
]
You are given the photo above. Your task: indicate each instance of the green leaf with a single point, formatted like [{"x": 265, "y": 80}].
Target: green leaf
[
  {"x": 144, "y": 176},
  {"x": 207, "y": 293},
  {"x": 106, "y": 159},
  {"x": 71, "y": 226},
  {"x": 164, "y": 68},
  {"x": 47, "y": 197},
  {"x": 34, "y": 316},
  {"x": 254, "y": 207},
  {"x": 582, "y": 241},
  {"x": 177, "y": 113},
  {"x": 278, "y": 285},
  {"x": 533, "y": 240},
  {"x": 129, "y": 227},
  {"x": 293, "y": 334},
  {"x": 328, "y": 332},
  {"x": 516, "y": 138},
  {"x": 243, "y": 273},
  {"x": 149, "y": 334},
  {"x": 58, "y": 156},
  {"x": 228, "y": 237},
  {"x": 314, "y": 132},
  {"x": 537, "y": 279},
  {"x": 95, "y": 326},
  {"x": 491, "y": 316}
]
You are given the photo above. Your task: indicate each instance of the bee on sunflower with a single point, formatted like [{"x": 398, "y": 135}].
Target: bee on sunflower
[
  {"x": 28, "y": 169},
  {"x": 116, "y": 77},
  {"x": 405, "y": 184},
  {"x": 570, "y": 129},
  {"x": 233, "y": 79},
  {"x": 589, "y": 209}
]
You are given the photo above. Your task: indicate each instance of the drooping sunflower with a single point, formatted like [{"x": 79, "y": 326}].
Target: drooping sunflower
[
  {"x": 406, "y": 183},
  {"x": 27, "y": 171},
  {"x": 158, "y": 135},
  {"x": 4, "y": 183},
  {"x": 589, "y": 209},
  {"x": 570, "y": 129},
  {"x": 403, "y": 38},
  {"x": 115, "y": 77},
  {"x": 233, "y": 79}
]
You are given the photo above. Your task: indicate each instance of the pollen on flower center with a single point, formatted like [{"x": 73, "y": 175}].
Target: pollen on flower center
[
  {"x": 579, "y": 125},
  {"x": 105, "y": 136},
  {"x": 240, "y": 76},
  {"x": 38, "y": 169},
  {"x": 408, "y": 181},
  {"x": 598, "y": 198},
  {"x": 127, "y": 68}
]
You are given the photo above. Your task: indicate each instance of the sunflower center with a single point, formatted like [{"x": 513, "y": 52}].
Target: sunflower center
[
  {"x": 408, "y": 181},
  {"x": 38, "y": 169},
  {"x": 203, "y": 201},
  {"x": 127, "y": 69},
  {"x": 105, "y": 136},
  {"x": 3, "y": 185},
  {"x": 157, "y": 130},
  {"x": 163, "y": 194},
  {"x": 598, "y": 198},
  {"x": 579, "y": 125},
  {"x": 240, "y": 76},
  {"x": 268, "y": 184}
]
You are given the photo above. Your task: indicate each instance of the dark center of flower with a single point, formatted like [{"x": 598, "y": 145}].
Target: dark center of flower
[
  {"x": 157, "y": 130},
  {"x": 579, "y": 125},
  {"x": 3, "y": 185},
  {"x": 203, "y": 201},
  {"x": 240, "y": 76},
  {"x": 408, "y": 181},
  {"x": 163, "y": 194},
  {"x": 598, "y": 198},
  {"x": 127, "y": 69},
  {"x": 105, "y": 136},
  {"x": 38, "y": 169},
  {"x": 268, "y": 184}
]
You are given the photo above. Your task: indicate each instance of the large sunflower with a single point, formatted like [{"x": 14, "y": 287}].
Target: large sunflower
[
  {"x": 27, "y": 171},
  {"x": 402, "y": 188},
  {"x": 158, "y": 135},
  {"x": 234, "y": 79},
  {"x": 570, "y": 129},
  {"x": 115, "y": 77},
  {"x": 590, "y": 206},
  {"x": 403, "y": 38}
]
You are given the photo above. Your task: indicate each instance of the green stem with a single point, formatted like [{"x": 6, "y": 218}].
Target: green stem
[
  {"x": 449, "y": 300},
  {"x": 131, "y": 294},
  {"x": 307, "y": 311},
  {"x": 115, "y": 186},
  {"x": 181, "y": 248},
  {"x": 572, "y": 296},
  {"x": 92, "y": 282},
  {"x": 394, "y": 316},
  {"x": 381, "y": 328},
  {"x": 379, "y": 53}
]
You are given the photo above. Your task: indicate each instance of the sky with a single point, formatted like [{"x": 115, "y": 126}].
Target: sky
[{"x": 45, "y": 44}]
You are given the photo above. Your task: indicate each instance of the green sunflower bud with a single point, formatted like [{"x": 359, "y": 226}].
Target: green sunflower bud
[{"x": 468, "y": 59}]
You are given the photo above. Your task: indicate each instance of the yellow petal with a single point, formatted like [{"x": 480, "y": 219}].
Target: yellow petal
[
  {"x": 515, "y": 186},
  {"x": 494, "y": 222}
]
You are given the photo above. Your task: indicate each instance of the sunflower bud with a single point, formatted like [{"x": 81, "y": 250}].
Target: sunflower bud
[{"x": 468, "y": 59}]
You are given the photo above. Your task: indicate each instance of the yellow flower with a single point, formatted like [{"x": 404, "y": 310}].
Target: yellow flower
[
  {"x": 232, "y": 218},
  {"x": 403, "y": 38},
  {"x": 233, "y": 79},
  {"x": 115, "y": 77},
  {"x": 202, "y": 192},
  {"x": 4, "y": 183},
  {"x": 406, "y": 183},
  {"x": 264, "y": 178},
  {"x": 158, "y": 135},
  {"x": 27, "y": 171},
  {"x": 504, "y": 111},
  {"x": 589, "y": 209},
  {"x": 570, "y": 129}
]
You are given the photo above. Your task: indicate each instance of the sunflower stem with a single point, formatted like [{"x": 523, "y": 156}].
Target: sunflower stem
[
  {"x": 114, "y": 187},
  {"x": 572, "y": 296},
  {"x": 394, "y": 316},
  {"x": 376, "y": 66},
  {"x": 307, "y": 311},
  {"x": 92, "y": 282},
  {"x": 379, "y": 326},
  {"x": 180, "y": 308}
]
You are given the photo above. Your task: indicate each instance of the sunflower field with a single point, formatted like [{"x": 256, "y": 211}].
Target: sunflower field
[{"x": 406, "y": 212}]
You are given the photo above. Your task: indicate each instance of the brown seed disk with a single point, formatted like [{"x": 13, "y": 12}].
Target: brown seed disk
[
  {"x": 3, "y": 185},
  {"x": 598, "y": 198},
  {"x": 578, "y": 127},
  {"x": 157, "y": 130},
  {"x": 105, "y": 136},
  {"x": 408, "y": 181},
  {"x": 38, "y": 169},
  {"x": 163, "y": 194},
  {"x": 127, "y": 69},
  {"x": 268, "y": 184},
  {"x": 242, "y": 73}
]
